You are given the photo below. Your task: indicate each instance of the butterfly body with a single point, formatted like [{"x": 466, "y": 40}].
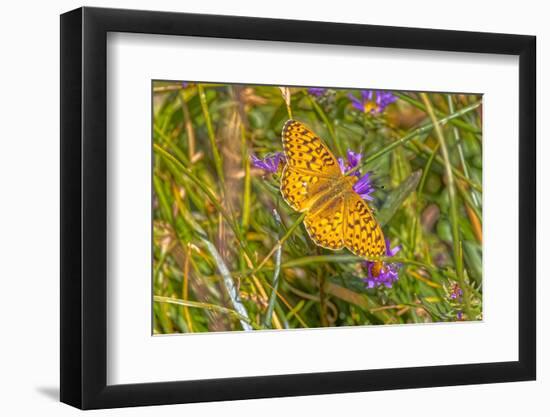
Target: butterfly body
[{"x": 313, "y": 182}]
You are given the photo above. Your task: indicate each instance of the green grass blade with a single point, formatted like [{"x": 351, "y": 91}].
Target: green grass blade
[
  {"x": 453, "y": 206},
  {"x": 276, "y": 274},
  {"x": 396, "y": 198}
]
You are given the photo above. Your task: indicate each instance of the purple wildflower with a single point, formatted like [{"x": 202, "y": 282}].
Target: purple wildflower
[
  {"x": 354, "y": 159},
  {"x": 456, "y": 292},
  {"x": 184, "y": 84},
  {"x": 269, "y": 164},
  {"x": 382, "y": 273},
  {"x": 460, "y": 315},
  {"x": 363, "y": 186},
  {"x": 372, "y": 101},
  {"x": 316, "y": 91}
]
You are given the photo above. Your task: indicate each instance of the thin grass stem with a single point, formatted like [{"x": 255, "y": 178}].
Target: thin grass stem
[
  {"x": 188, "y": 127},
  {"x": 280, "y": 242},
  {"x": 211, "y": 135},
  {"x": 453, "y": 205},
  {"x": 460, "y": 148},
  {"x": 204, "y": 306},
  {"x": 276, "y": 275}
]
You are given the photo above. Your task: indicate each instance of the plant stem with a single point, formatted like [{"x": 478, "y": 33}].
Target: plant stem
[
  {"x": 460, "y": 148},
  {"x": 276, "y": 274},
  {"x": 425, "y": 149},
  {"x": 188, "y": 126},
  {"x": 453, "y": 205},
  {"x": 416, "y": 219},
  {"x": 185, "y": 288},
  {"x": 245, "y": 219},
  {"x": 280, "y": 242},
  {"x": 205, "y": 306},
  {"x": 211, "y": 135}
]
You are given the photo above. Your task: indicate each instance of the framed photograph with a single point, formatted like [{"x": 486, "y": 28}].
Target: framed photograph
[{"x": 258, "y": 208}]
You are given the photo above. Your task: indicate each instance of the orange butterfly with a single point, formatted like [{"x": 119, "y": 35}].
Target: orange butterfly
[{"x": 313, "y": 182}]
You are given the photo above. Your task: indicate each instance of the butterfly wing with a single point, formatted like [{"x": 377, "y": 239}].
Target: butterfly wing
[
  {"x": 305, "y": 151},
  {"x": 310, "y": 166},
  {"x": 362, "y": 234},
  {"x": 326, "y": 225}
]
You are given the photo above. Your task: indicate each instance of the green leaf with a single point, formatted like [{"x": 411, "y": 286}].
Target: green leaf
[
  {"x": 351, "y": 282},
  {"x": 397, "y": 197},
  {"x": 473, "y": 256}
]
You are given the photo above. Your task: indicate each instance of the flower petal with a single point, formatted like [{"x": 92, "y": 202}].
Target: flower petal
[
  {"x": 364, "y": 187},
  {"x": 387, "y": 275},
  {"x": 366, "y": 95},
  {"x": 358, "y": 104},
  {"x": 354, "y": 159},
  {"x": 342, "y": 165},
  {"x": 269, "y": 163},
  {"x": 389, "y": 251}
]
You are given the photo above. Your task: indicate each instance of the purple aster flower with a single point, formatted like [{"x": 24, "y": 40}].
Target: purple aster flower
[
  {"x": 372, "y": 101},
  {"x": 363, "y": 186},
  {"x": 354, "y": 159},
  {"x": 269, "y": 164},
  {"x": 460, "y": 315},
  {"x": 316, "y": 91},
  {"x": 382, "y": 273}
]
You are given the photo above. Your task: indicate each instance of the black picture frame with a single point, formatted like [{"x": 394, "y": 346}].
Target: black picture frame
[{"x": 84, "y": 207}]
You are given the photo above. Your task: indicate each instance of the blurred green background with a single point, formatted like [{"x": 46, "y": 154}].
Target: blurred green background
[{"x": 218, "y": 218}]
